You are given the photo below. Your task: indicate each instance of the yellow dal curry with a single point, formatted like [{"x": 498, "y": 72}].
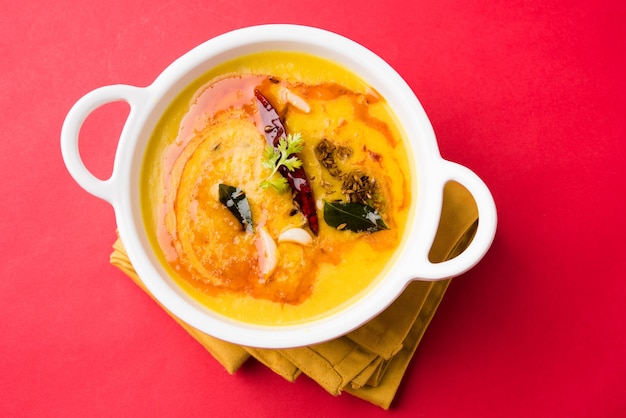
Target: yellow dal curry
[{"x": 277, "y": 268}]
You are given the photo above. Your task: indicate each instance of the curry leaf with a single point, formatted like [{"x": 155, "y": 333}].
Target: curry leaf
[
  {"x": 237, "y": 203},
  {"x": 353, "y": 216}
]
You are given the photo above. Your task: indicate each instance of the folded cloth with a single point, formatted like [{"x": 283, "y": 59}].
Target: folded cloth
[{"x": 370, "y": 361}]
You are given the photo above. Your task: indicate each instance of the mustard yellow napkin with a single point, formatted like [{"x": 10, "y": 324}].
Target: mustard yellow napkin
[{"x": 370, "y": 361}]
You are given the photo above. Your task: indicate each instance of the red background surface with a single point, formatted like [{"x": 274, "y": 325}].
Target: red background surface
[{"x": 529, "y": 94}]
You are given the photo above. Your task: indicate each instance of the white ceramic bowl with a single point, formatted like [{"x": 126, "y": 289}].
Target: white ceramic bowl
[{"x": 431, "y": 172}]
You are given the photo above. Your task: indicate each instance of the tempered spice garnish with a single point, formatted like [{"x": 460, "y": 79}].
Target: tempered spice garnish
[
  {"x": 357, "y": 186},
  {"x": 325, "y": 153}
]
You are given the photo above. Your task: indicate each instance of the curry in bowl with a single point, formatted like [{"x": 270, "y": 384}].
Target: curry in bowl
[{"x": 276, "y": 188}]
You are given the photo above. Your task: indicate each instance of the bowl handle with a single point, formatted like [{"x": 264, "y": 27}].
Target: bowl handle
[
  {"x": 485, "y": 232},
  {"x": 70, "y": 131}
]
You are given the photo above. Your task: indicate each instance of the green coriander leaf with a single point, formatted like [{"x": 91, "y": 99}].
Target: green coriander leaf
[
  {"x": 282, "y": 146},
  {"x": 280, "y": 184},
  {"x": 295, "y": 143},
  {"x": 282, "y": 155},
  {"x": 270, "y": 157},
  {"x": 293, "y": 163}
]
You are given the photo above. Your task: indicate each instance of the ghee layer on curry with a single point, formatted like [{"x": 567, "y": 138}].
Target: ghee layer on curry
[{"x": 278, "y": 268}]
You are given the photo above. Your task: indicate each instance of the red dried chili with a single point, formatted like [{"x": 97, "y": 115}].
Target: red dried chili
[{"x": 274, "y": 130}]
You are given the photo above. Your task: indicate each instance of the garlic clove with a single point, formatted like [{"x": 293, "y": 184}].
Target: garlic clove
[
  {"x": 290, "y": 97},
  {"x": 268, "y": 254},
  {"x": 295, "y": 235}
]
